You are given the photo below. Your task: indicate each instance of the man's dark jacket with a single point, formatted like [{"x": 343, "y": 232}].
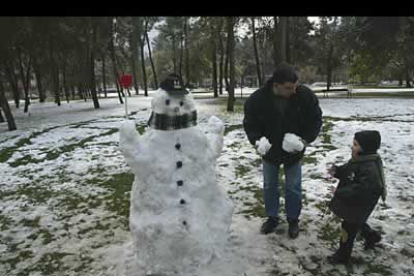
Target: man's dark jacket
[
  {"x": 262, "y": 117},
  {"x": 360, "y": 186}
]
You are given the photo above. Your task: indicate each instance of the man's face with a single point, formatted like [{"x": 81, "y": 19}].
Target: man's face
[{"x": 285, "y": 90}]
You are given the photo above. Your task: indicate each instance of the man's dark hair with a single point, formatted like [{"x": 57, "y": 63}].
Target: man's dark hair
[{"x": 284, "y": 72}]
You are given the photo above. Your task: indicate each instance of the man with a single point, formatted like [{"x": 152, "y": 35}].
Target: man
[{"x": 282, "y": 107}]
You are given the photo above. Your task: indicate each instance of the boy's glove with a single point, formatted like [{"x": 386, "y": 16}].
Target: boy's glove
[
  {"x": 292, "y": 143},
  {"x": 263, "y": 146}
]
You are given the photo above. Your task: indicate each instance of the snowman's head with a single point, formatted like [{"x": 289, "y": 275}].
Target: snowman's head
[
  {"x": 172, "y": 98},
  {"x": 172, "y": 105}
]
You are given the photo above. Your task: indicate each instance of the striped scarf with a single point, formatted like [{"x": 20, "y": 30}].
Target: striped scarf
[{"x": 165, "y": 122}]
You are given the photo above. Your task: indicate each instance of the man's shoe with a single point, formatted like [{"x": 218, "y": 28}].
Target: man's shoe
[
  {"x": 269, "y": 225},
  {"x": 293, "y": 228}
]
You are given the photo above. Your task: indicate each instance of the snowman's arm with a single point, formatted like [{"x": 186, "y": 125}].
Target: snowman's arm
[
  {"x": 215, "y": 132},
  {"x": 129, "y": 141}
]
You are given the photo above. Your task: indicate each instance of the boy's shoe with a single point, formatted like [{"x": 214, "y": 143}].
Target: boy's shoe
[
  {"x": 269, "y": 225},
  {"x": 338, "y": 258},
  {"x": 293, "y": 228},
  {"x": 371, "y": 240}
]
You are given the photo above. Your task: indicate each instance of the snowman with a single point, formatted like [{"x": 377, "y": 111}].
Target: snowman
[{"x": 179, "y": 217}]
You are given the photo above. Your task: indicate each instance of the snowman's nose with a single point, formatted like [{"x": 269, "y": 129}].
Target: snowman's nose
[{"x": 176, "y": 109}]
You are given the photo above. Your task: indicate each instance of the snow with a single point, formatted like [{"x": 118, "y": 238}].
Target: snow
[
  {"x": 63, "y": 215},
  {"x": 263, "y": 146},
  {"x": 292, "y": 143}
]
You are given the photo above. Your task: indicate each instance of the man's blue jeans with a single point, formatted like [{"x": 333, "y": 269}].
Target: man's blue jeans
[{"x": 293, "y": 189}]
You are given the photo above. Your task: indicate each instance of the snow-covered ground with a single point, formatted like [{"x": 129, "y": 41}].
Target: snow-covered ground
[{"x": 65, "y": 188}]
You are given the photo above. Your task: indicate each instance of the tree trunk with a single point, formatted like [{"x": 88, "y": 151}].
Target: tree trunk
[
  {"x": 134, "y": 74},
  {"x": 39, "y": 82},
  {"x": 264, "y": 64},
  {"x": 282, "y": 38},
  {"x": 407, "y": 79},
  {"x": 221, "y": 64},
  {"x": 135, "y": 36},
  {"x": 174, "y": 56},
  {"x": 180, "y": 65},
  {"x": 154, "y": 73},
  {"x": 329, "y": 68},
  {"x": 214, "y": 62},
  {"x": 65, "y": 84},
  {"x": 226, "y": 63},
  {"x": 112, "y": 51},
  {"x": 104, "y": 76},
  {"x": 54, "y": 72},
  {"x": 187, "y": 53},
  {"x": 256, "y": 53},
  {"x": 230, "y": 42},
  {"x": 92, "y": 65},
  {"x": 25, "y": 78},
  {"x": 287, "y": 45},
  {"x": 144, "y": 73},
  {"x": 1, "y": 117},
  {"x": 73, "y": 92},
  {"x": 4, "y": 104},
  {"x": 276, "y": 50},
  {"x": 13, "y": 81}
]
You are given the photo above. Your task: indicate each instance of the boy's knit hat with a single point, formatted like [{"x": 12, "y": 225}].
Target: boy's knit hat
[{"x": 369, "y": 140}]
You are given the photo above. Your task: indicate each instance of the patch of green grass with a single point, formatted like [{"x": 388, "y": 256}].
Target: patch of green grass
[
  {"x": 32, "y": 192},
  {"x": 255, "y": 209},
  {"x": 235, "y": 145},
  {"x": 49, "y": 264},
  {"x": 307, "y": 159},
  {"x": 377, "y": 269},
  {"x": 23, "y": 255},
  {"x": 118, "y": 199},
  {"x": 55, "y": 153},
  {"x": 257, "y": 162},
  {"x": 408, "y": 253},
  {"x": 330, "y": 233},
  {"x": 34, "y": 223},
  {"x": 6, "y": 153},
  {"x": 231, "y": 128},
  {"x": 5, "y": 222},
  {"x": 241, "y": 170},
  {"x": 326, "y": 130}
]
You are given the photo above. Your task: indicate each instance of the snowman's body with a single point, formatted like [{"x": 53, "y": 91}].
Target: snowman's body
[{"x": 179, "y": 218}]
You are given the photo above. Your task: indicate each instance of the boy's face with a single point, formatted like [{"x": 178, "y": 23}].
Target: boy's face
[{"x": 356, "y": 148}]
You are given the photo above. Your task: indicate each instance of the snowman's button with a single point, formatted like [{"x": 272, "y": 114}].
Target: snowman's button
[
  {"x": 180, "y": 183},
  {"x": 182, "y": 201},
  {"x": 184, "y": 222},
  {"x": 177, "y": 146},
  {"x": 179, "y": 164}
]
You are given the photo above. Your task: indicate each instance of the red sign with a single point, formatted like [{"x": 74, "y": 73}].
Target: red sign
[{"x": 126, "y": 80}]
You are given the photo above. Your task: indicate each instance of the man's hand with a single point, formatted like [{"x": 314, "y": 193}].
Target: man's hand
[
  {"x": 292, "y": 143},
  {"x": 263, "y": 146}
]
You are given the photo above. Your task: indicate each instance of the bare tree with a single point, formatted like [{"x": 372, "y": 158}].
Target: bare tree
[{"x": 230, "y": 42}]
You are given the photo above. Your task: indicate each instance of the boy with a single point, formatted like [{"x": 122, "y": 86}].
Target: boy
[{"x": 361, "y": 184}]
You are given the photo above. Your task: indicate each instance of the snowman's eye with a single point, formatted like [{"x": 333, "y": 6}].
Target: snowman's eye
[
  {"x": 181, "y": 103},
  {"x": 167, "y": 102}
]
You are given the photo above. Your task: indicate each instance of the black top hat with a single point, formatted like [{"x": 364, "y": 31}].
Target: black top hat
[{"x": 174, "y": 85}]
